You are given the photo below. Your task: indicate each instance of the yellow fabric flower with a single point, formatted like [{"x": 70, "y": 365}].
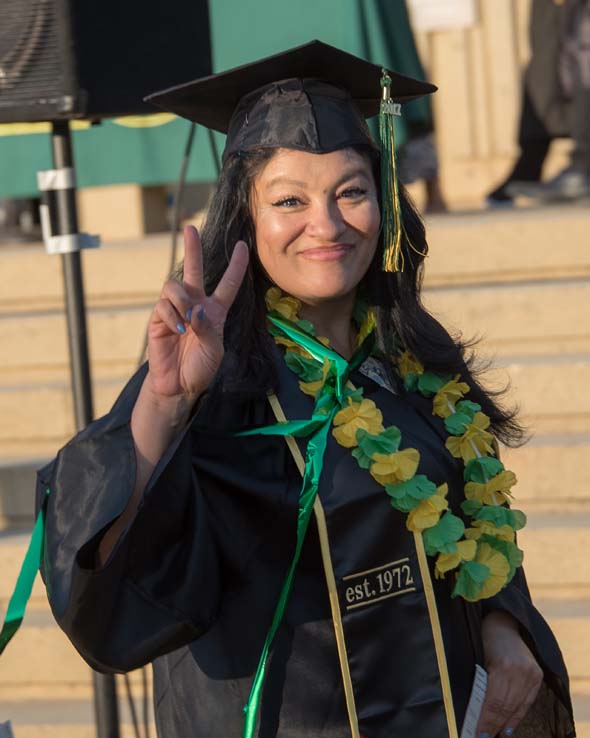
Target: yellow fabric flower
[
  {"x": 448, "y": 394},
  {"x": 481, "y": 528},
  {"x": 407, "y": 364},
  {"x": 445, "y": 562},
  {"x": 494, "y": 492},
  {"x": 367, "y": 327},
  {"x": 396, "y": 467},
  {"x": 475, "y": 439},
  {"x": 364, "y": 414},
  {"x": 428, "y": 512},
  {"x": 286, "y": 305},
  {"x": 499, "y": 570}
]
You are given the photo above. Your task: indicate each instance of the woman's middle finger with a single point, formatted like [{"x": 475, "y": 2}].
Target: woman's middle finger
[
  {"x": 165, "y": 312},
  {"x": 179, "y": 297},
  {"x": 192, "y": 278}
]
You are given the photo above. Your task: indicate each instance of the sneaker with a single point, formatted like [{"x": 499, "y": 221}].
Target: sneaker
[
  {"x": 499, "y": 198},
  {"x": 570, "y": 184}
]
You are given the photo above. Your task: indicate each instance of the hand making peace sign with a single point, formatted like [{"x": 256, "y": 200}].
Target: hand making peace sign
[{"x": 185, "y": 332}]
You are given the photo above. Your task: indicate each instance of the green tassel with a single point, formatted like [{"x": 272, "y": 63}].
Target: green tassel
[{"x": 393, "y": 258}]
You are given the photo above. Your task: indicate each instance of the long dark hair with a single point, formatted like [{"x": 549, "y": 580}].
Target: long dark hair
[{"x": 248, "y": 366}]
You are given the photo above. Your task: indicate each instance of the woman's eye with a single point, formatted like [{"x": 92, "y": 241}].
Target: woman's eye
[
  {"x": 353, "y": 192},
  {"x": 287, "y": 202}
]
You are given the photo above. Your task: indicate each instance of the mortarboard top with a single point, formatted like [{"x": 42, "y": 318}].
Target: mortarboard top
[{"x": 312, "y": 97}]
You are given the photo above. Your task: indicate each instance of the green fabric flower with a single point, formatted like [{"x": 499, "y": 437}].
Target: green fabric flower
[
  {"x": 405, "y": 496},
  {"x": 510, "y": 550},
  {"x": 443, "y": 536},
  {"x": 470, "y": 507},
  {"x": 383, "y": 443},
  {"x": 472, "y": 576},
  {"x": 308, "y": 370},
  {"x": 483, "y": 469},
  {"x": 429, "y": 384},
  {"x": 457, "y": 423},
  {"x": 500, "y": 515}
]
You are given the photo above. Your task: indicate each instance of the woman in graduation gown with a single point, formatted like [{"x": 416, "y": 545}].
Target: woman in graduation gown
[{"x": 340, "y": 574}]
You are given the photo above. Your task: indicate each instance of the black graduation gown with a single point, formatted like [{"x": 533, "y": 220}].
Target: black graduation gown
[{"x": 193, "y": 582}]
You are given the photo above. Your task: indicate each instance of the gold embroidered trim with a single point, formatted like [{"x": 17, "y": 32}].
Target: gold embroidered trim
[
  {"x": 329, "y": 573},
  {"x": 437, "y": 636},
  {"x": 374, "y": 569},
  {"x": 380, "y": 599}
]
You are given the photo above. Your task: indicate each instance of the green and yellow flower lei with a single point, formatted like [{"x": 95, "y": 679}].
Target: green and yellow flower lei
[{"x": 484, "y": 556}]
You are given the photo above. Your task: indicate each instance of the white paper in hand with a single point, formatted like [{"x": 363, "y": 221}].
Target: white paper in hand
[{"x": 478, "y": 694}]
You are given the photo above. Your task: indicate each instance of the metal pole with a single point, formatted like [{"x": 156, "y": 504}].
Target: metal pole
[{"x": 66, "y": 222}]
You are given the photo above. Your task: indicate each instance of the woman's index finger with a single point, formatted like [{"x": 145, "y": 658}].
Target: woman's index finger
[{"x": 192, "y": 278}]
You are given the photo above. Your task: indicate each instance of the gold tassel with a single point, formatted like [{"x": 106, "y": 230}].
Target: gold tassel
[
  {"x": 394, "y": 232},
  {"x": 393, "y": 259}
]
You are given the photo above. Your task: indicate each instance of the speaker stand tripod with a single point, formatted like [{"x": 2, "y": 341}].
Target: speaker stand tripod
[{"x": 59, "y": 221}]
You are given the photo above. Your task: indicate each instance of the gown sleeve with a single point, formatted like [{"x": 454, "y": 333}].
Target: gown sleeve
[{"x": 160, "y": 587}]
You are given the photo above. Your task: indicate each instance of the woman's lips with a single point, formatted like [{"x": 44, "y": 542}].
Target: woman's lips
[{"x": 327, "y": 253}]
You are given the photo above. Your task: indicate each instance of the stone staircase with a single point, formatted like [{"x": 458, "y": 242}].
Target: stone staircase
[{"x": 519, "y": 279}]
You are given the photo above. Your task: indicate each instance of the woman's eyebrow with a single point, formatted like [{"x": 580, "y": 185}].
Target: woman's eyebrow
[
  {"x": 280, "y": 179},
  {"x": 350, "y": 174},
  {"x": 285, "y": 180}
]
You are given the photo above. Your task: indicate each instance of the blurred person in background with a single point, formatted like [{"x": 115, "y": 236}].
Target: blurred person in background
[
  {"x": 573, "y": 182},
  {"x": 545, "y": 113}
]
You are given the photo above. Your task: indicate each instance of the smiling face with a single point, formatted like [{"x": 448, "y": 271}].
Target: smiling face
[{"x": 317, "y": 222}]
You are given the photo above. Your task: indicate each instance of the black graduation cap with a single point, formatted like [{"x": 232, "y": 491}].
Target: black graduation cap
[{"x": 312, "y": 97}]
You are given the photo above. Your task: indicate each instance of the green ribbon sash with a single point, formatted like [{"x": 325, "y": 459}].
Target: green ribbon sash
[
  {"x": 24, "y": 583},
  {"x": 329, "y": 401}
]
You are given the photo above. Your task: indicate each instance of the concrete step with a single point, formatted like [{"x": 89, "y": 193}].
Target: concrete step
[
  {"x": 53, "y": 715},
  {"x": 548, "y": 390},
  {"x": 35, "y": 345},
  {"x": 553, "y": 472},
  {"x": 526, "y": 317},
  {"x": 32, "y": 411},
  {"x": 555, "y": 546},
  {"x": 111, "y": 274},
  {"x": 486, "y": 247}
]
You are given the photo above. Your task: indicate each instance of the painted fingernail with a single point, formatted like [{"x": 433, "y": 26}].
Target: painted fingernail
[
  {"x": 188, "y": 314},
  {"x": 201, "y": 313},
  {"x": 484, "y": 735},
  {"x": 509, "y": 731},
  {"x": 180, "y": 328}
]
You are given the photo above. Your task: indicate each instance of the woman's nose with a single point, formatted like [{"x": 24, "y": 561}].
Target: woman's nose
[{"x": 325, "y": 222}]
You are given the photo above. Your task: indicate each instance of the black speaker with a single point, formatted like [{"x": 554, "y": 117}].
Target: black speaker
[{"x": 62, "y": 59}]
